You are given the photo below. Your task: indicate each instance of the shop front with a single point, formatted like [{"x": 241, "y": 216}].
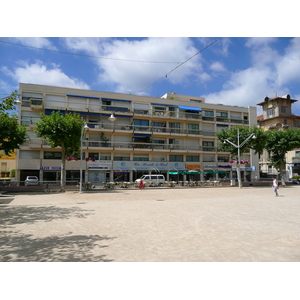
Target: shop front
[
  {"x": 98, "y": 171},
  {"x": 133, "y": 170}
]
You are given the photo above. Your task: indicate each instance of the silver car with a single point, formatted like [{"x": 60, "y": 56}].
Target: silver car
[{"x": 31, "y": 180}]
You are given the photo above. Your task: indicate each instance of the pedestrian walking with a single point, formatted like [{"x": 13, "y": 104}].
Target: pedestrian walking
[
  {"x": 275, "y": 186},
  {"x": 141, "y": 185}
]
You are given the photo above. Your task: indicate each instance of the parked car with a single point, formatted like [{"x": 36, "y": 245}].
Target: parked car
[{"x": 31, "y": 180}]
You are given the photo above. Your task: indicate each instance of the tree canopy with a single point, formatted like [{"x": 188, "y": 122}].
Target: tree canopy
[
  {"x": 64, "y": 131},
  {"x": 279, "y": 142},
  {"x": 241, "y": 133},
  {"x": 12, "y": 135}
]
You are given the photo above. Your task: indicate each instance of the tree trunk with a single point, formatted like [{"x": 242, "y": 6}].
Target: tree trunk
[
  {"x": 282, "y": 175},
  {"x": 63, "y": 171}
]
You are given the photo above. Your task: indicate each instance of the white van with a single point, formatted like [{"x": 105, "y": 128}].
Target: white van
[{"x": 152, "y": 178}]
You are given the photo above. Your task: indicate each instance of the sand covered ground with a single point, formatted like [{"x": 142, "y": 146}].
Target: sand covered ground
[{"x": 224, "y": 224}]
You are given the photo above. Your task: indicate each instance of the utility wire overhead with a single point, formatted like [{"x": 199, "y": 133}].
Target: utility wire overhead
[
  {"x": 181, "y": 64},
  {"x": 93, "y": 56}
]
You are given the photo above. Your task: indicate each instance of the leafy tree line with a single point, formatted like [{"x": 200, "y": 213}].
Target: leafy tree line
[
  {"x": 276, "y": 142},
  {"x": 12, "y": 135}
]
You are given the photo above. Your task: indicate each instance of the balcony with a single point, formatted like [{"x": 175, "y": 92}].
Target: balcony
[{"x": 296, "y": 160}]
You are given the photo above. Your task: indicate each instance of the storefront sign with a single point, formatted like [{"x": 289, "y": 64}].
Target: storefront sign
[
  {"x": 193, "y": 167},
  {"x": 50, "y": 168},
  {"x": 99, "y": 165},
  {"x": 147, "y": 165}
]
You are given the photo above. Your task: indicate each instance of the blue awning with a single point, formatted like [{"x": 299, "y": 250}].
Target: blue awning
[
  {"x": 117, "y": 116},
  {"x": 160, "y": 104},
  {"x": 79, "y": 96},
  {"x": 189, "y": 108},
  {"x": 142, "y": 134},
  {"x": 82, "y": 113},
  {"x": 107, "y": 99}
]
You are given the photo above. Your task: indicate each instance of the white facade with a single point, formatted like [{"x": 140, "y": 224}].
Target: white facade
[{"x": 150, "y": 135}]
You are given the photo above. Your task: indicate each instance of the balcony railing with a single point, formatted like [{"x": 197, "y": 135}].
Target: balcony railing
[
  {"x": 39, "y": 143},
  {"x": 178, "y": 114}
]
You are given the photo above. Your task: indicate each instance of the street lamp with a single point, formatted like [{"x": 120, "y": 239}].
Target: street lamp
[
  {"x": 239, "y": 146},
  {"x": 112, "y": 118},
  {"x": 18, "y": 101},
  {"x": 83, "y": 129}
]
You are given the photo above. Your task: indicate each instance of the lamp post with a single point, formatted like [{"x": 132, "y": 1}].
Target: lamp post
[
  {"x": 112, "y": 119},
  {"x": 18, "y": 101},
  {"x": 239, "y": 146},
  {"x": 83, "y": 129}
]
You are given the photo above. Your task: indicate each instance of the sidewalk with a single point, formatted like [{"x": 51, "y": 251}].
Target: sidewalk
[{"x": 153, "y": 225}]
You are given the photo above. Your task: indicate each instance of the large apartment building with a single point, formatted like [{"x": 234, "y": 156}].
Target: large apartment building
[{"x": 171, "y": 135}]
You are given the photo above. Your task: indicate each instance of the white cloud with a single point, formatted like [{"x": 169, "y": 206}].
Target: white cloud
[
  {"x": 133, "y": 76},
  {"x": 38, "y": 42},
  {"x": 38, "y": 73},
  {"x": 218, "y": 67},
  {"x": 288, "y": 66},
  {"x": 6, "y": 88},
  {"x": 270, "y": 74}
]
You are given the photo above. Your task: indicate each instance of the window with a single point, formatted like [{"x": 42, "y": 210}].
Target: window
[
  {"x": 284, "y": 109},
  {"x": 296, "y": 123},
  {"x": 176, "y": 157},
  {"x": 105, "y": 157},
  {"x": 140, "y": 157},
  {"x": 94, "y": 155},
  {"x": 222, "y": 114},
  {"x": 220, "y": 127},
  {"x": 223, "y": 159},
  {"x": 192, "y": 158},
  {"x": 208, "y": 113},
  {"x": 174, "y": 127},
  {"x": 297, "y": 153},
  {"x": 270, "y": 112},
  {"x": 208, "y": 146},
  {"x": 193, "y": 128},
  {"x": 52, "y": 155},
  {"x": 207, "y": 158},
  {"x": 122, "y": 157},
  {"x": 141, "y": 125}
]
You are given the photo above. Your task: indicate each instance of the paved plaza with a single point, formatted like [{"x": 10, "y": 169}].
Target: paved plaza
[{"x": 223, "y": 224}]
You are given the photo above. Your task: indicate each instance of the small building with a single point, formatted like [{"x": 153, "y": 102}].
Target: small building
[{"x": 277, "y": 115}]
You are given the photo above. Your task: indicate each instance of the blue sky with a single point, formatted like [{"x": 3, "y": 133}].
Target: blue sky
[{"x": 235, "y": 71}]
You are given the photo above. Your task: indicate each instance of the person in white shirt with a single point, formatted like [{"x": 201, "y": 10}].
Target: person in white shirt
[{"x": 275, "y": 186}]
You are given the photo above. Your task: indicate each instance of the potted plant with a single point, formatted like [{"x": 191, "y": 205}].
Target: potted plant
[
  {"x": 13, "y": 173},
  {"x": 3, "y": 173},
  {"x": 103, "y": 139}
]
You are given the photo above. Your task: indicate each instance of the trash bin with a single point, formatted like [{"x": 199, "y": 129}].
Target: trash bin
[{"x": 232, "y": 182}]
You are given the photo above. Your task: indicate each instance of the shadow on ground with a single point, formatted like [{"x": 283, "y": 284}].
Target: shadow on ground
[
  {"x": 11, "y": 215},
  {"x": 16, "y": 246}
]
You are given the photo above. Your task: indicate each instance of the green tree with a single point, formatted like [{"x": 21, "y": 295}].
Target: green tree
[
  {"x": 238, "y": 135},
  {"x": 238, "y": 140},
  {"x": 278, "y": 143},
  {"x": 62, "y": 131},
  {"x": 12, "y": 135}
]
